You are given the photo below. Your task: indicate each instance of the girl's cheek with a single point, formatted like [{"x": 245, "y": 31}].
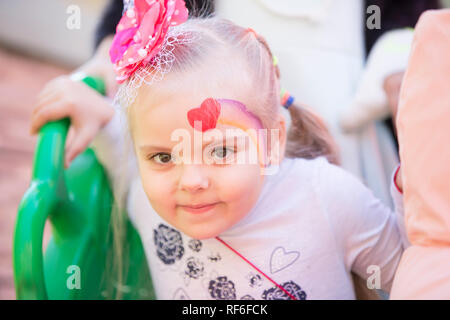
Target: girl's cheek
[
  {"x": 238, "y": 181},
  {"x": 158, "y": 188}
]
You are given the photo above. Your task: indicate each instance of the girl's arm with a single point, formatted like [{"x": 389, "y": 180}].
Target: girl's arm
[
  {"x": 111, "y": 143},
  {"x": 369, "y": 236},
  {"x": 114, "y": 149},
  {"x": 93, "y": 118}
]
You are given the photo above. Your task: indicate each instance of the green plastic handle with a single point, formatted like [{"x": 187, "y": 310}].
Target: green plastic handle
[{"x": 46, "y": 191}]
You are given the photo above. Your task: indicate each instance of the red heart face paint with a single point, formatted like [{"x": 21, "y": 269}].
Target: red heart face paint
[{"x": 207, "y": 114}]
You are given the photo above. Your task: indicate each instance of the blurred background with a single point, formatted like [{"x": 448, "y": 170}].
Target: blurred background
[
  {"x": 38, "y": 41},
  {"x": 36, "y": 45}
]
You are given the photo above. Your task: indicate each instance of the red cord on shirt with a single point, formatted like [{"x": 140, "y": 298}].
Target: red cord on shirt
[{"x": 256, "y": 268}]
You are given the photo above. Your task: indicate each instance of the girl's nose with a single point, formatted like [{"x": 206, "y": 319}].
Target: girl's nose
[{"x": 193, "y": 178}]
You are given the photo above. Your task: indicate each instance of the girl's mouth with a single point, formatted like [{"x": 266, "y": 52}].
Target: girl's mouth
[{"x": 200, "y": 208}]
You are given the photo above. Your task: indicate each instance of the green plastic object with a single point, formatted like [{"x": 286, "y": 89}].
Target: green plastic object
[{"x": 78, "y": 203}]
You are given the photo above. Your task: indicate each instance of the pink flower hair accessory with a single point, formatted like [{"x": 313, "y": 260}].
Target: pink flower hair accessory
[{"x": 141, "y": 33}]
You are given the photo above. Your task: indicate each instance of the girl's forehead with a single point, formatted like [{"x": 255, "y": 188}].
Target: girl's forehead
[
  {"x": 160, "y": 121},
  {"x": 179, "y": 108}
]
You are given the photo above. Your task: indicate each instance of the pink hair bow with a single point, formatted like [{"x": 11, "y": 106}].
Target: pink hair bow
[{"x": 141, "y": 32}]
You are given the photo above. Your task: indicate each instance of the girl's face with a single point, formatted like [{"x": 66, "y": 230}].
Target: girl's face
[{"x": 200, "y": 180}]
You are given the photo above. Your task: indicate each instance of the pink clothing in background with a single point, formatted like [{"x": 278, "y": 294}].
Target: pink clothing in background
[{"x": 424, "y": 134}]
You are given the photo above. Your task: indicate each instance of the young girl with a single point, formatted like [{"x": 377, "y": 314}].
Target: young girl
[{"x": 289, "y": 225}]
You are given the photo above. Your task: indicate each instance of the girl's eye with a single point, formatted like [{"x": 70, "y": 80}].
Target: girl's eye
[
  {"x": 162, "y": 158},
  {"x": 221, "y": 153}
]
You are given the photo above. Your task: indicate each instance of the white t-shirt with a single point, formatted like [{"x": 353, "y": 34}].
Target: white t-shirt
[{"x": 311, "y": 226}]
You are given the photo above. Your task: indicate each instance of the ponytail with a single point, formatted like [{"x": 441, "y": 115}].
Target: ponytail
[{"x": 308, "y": 136}]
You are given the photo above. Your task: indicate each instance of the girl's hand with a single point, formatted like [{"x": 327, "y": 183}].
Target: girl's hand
[{"x": 87, "y": 110}]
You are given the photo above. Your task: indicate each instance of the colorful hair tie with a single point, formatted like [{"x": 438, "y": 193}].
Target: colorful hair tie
[{"x": 286, "y": 99}]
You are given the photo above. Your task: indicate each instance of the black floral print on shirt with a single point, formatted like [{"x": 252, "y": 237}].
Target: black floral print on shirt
[
  {"x": 214, "y": 257},
  {"x": 276, "y": 293},
  {"x": 255, "y": 280},
  {"x": 195, "y": 245},
  {"x": 169, "y": 244},
  {"x": 222, "y": 289},
  {"x": 194, "y": 268}
]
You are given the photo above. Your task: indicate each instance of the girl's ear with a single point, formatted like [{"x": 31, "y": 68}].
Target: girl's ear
[{"x": 278, "y": 141}]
